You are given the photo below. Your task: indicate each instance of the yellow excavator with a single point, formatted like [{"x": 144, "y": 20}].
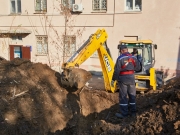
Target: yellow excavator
[{"x": 73, "y": 76}]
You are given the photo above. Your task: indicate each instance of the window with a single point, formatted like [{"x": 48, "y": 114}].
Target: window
[
  {"x": 68, "y": 3},
  {"x": 15, "y": 6},
  {"x": 42, "y": 44},
  {"x": 41, "y": 6},
  {"x": 99, "y": 5},
  {"x": 147, "y": 55},
  {"x": 133, "y": 5},
  {"x": 70, "y": 45},
  {"x": 17, "y": 52},
  {"x": 16, "y": 38}
]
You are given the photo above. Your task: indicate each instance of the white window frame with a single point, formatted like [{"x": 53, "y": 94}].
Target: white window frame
[
  {"x": 70, "y": 45},
  {"x": 43, "y": 7},
  {"x": 100, "y": 5},
  {"x": 135, "y": 8},
  {"x": 42, "y": 44},
  {"x": 16, "y": 7}
]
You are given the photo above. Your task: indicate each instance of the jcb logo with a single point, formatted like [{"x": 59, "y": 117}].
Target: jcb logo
[{"x": 107, "y": 63}]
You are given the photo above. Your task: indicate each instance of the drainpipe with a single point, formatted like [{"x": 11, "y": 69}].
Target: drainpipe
[{"x": 114, "y": 12}]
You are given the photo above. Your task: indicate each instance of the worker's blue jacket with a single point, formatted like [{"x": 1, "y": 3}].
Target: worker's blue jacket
[{"x": 124, "y": 68}]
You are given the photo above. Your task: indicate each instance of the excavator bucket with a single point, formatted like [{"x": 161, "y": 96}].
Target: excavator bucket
[{"x": 75, "y": 77}]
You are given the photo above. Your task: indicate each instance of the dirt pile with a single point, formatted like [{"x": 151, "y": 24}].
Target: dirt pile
[{"x": 33, "y": 103}]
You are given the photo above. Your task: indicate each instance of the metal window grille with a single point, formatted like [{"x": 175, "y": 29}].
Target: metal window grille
[
  {"x": 68, "y": 3},
  {"x": 133, "y": 5},
  {"x": 99, "y": 5},
  {"x": 15, "y": 6},
  {"x": 41, "y": 6},
  {"x": 42, "y": 44},
  {"x": 70, "y": 45}
]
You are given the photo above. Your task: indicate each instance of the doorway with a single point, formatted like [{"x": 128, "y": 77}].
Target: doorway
[{"x": 19, "y": 51}]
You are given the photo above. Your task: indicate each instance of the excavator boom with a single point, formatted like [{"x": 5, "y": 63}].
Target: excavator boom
[{"x": 74, "y": 76}]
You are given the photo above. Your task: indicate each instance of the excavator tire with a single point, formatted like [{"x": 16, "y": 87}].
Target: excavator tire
[{"x": 74, "y": 77}]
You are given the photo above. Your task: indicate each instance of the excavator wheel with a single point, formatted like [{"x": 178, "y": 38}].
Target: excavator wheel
[{"x": 75, "y": 77}]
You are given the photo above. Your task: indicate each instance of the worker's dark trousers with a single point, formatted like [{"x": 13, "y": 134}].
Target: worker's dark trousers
[{"x": 124, "y": 90}]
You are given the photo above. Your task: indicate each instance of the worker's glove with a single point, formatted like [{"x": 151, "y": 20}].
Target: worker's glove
[{"x": 112, "y": 83}]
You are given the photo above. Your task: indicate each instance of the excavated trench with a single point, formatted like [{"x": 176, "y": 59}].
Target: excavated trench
[{"x": 33, "y": 103}]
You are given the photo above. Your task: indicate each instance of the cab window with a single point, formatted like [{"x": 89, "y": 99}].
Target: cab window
[{"x": 147, "y": 55}]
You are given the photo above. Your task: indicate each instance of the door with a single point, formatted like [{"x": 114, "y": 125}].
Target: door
[
  {"x": 20, "y": 52},
  {"x": 26, "y": 53},
  {"x": 11, "y": 47}
]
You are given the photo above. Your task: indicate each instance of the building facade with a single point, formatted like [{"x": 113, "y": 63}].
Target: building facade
[{"x": 47, "y": 31}]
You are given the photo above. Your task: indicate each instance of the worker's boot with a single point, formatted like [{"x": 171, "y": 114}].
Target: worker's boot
[{"x": 120, "y": 116}]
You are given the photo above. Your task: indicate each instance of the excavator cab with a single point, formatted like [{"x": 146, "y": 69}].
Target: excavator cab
[{"x": 144, "y": 50}]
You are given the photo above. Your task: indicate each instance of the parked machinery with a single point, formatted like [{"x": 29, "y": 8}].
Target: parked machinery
[{"x": 74, "y": 76}]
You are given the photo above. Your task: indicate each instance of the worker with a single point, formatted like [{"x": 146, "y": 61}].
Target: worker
[
  {"x": 138, "y": 55},
  {"x": 124, "y": 69}
]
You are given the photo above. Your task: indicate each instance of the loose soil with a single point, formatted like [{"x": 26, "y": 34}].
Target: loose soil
[{"x": 33, "y": 103}]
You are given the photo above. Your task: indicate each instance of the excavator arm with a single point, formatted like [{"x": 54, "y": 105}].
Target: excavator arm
[{"x": 74, "y": 76}]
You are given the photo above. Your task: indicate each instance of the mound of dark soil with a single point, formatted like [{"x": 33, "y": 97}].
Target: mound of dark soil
[{"x": 33, "y": 103}]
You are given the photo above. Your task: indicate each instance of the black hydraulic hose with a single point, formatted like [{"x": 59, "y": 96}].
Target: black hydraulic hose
[
  {"x": 153, "y": 61},
  {"x": 108, "y": 50}
]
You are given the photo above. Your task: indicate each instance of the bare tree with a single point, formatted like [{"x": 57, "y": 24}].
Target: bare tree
[
  {"x": 62, "y": 41},
  {"x": 58, "y": 39}
]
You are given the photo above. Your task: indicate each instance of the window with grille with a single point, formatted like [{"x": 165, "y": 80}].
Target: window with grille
[
  {"x": 133, "y": 5},
  {"x": 99, "y": 5},
  {"x": 68, "y": 3},
  {"x": 70, "y": 45},
  {"x": 40, "y": 6},
  {"x": 15, "y": 6},
  {"x": 42, "y": 44}
]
